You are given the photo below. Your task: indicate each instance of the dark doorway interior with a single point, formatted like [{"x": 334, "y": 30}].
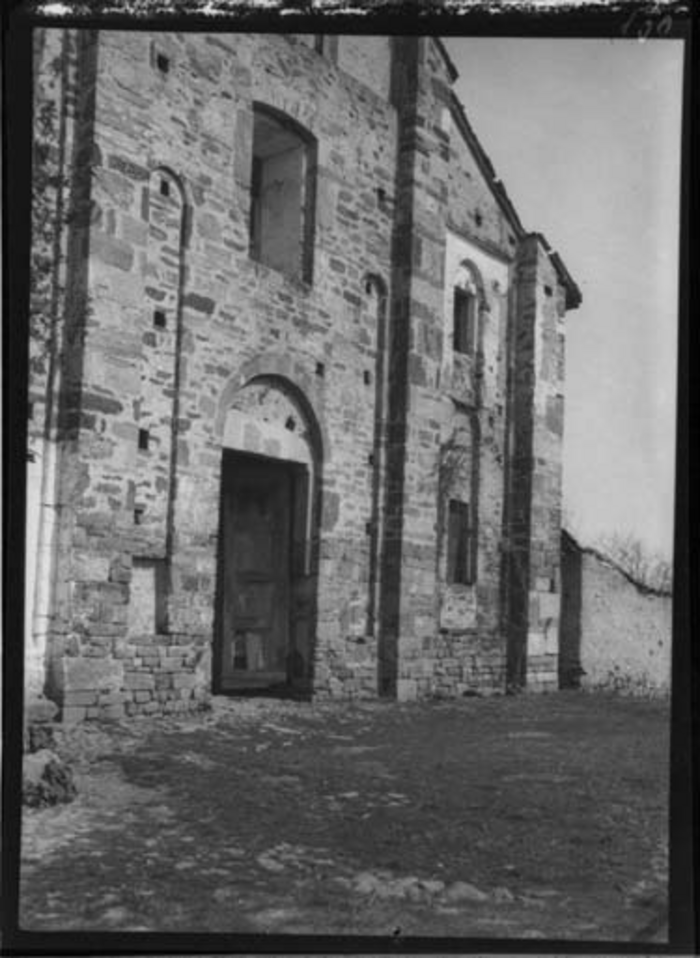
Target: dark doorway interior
[{"x": 255, "y": 648}]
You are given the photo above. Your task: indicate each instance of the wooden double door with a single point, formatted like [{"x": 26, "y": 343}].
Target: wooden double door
[{"x": 255, "y": 573}]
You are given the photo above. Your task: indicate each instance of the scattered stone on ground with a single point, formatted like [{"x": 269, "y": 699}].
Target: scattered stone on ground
[
  {"x": 327, "y": 818},
  {"x": 46, "y": 780},
  {"x": 463, "y": 891}
]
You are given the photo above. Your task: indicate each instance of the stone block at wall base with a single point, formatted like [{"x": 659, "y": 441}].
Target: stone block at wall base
[
  {"x": 73, "y": 713},
  {"x": 545, "y": 640},
  {"x": 39, "y": 722},
  {"x": 406, "y": 690},
  {"x": 39, "y": 710},
  {"x": 538, "y": 685},
  {"x": 71, "y": 699},
  {"x": 111, "y": 713},
  {"x": 536, "y": 644},
  {"x": 542, "y": 673},
  {"x": 550, "y": 605},
  {"x": 89, "y": 674}
]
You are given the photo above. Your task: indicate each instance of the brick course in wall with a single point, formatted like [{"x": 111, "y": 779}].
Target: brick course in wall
[{"x": 177, "y": 344}]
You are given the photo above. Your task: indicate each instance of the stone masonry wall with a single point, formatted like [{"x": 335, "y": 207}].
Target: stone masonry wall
[
  {"x": 367, "y": 59},
  {"x": 420, "y": 85},
  {"x": 449, "y": 224},
  {"x": 615, "y": 634},
  {"x": 170, "y": 324},
  {"x": 538, "y": 419},
  {"x": 484, "y": 396},
  {"x": 195, "y": 123}
]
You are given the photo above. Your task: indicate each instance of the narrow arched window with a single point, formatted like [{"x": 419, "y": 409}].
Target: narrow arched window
[
  {"x": 460, "y": 505},
  {"x": 461, "y": 542},
  {"x": 283, "y": 180},
  {"x": 465, "y": 315}
]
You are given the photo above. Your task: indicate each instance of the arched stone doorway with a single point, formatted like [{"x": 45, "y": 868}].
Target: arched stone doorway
[{"x": 268, "y": 541}]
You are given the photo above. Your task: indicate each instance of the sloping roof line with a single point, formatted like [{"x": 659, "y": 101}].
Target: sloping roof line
[
  {"x": 570, "y": 542},
  {"x": 485, "y": 164},
  {"x": 451, "y": 68},
  {"x": 573, "y": 293}
]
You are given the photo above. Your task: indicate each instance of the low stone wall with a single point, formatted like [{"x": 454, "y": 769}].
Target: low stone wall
[
  {"x": 146, "y": 676},
  {"x": 347, "y": 670},
  {"x": 453, "y": 663},
  {"x": 615, "y": 633}
]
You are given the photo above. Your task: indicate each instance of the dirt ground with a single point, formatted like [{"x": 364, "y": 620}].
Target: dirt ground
[{"x": 513, "y": 817}]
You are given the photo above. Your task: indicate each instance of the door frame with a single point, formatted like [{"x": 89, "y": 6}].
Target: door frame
[{"x": 294, "y": 472}]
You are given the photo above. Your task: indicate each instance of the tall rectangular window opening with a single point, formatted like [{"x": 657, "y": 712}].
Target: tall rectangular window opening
[
  {"x": 255, "y": 207},
  {"x": 460, "y": 544},
  {"x": 283, "y": 180},
  {"x": 464, "y": 322}
]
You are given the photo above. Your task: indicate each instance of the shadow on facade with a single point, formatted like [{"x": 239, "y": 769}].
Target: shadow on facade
[
  {"x": 68, "y": 409},
  {"x": 570, "y": 670},
  {"x": 404, "y": 83}
]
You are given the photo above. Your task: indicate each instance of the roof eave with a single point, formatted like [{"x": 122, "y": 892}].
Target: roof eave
[
  {"x": 573, "y": 293},
  {"x": 451, "y": 68},
  {"x": 574, "y": 297}
]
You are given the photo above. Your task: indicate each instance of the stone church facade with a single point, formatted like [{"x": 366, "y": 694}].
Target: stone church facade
[{"x": 296, "y": 425}]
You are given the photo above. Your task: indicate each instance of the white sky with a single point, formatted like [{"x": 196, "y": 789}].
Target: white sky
[{"x": 585, "y": 135}]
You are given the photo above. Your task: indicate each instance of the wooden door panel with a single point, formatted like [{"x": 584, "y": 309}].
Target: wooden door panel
[{"x": 255, "y": 573}]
